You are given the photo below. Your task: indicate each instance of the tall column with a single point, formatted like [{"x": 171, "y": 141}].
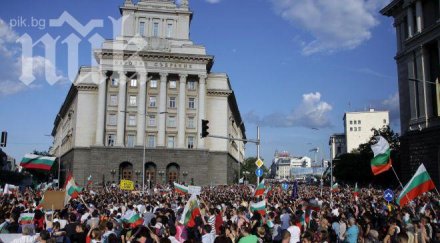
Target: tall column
[
  {"x": 162, "y": 109},
  {"x": 410, "y": 20},
  {"x": 102, "y": 86},
  {"x": 182, "y": 111},
  {"x": 202, "y": 115},
  {"x": 419, "y": 16},
  {"x": 141, "y": 112},
  {"x": 399, "y": 41},
  {"x": 120, "y": 136}
]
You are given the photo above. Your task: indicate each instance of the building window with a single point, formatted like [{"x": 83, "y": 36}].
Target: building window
[
  {"x": 114, "y": 82},
  {"x": 170, "y": 30},
  {"x": 173, "y": 84},
  {"x": 351, "y": 122},
  {"x": 153, "y": 84},
  {"x": 155, "y": 29},
  {"x": 152, "y": 101},
  {"x": 151, "y": 120},
  {"x": 111, "y": 139},
  {"x": 133, "y": 82},
  {"x": 351, "y": 129},
  {"x": 191, "y": 85},
  {"x": 112, "y": 119},
  {"x": 384, "y": 121},
  {"x": 132, "y": 120},
  {"x": 355, "y": 122},
  {"x": 355, "y": 129},
  {"x": 190, "y": 142},
  {"x": 359, "y": 122},
  {"x": 113, "y": 100},
  {"x": 132, "y": 100},
  {"x": 359, "y": 129},
  {"x": 171, "y": 121},
  {"x": 191, "y": 103},
  {"x": 151, "y": 141},
  {"x": 130, "y": 140},
  {"x": 191, "y": 123},
  {"x": 172, "y": 102},
  {"x": 142, "y": 28},
  {"x": 170, "y": 142}
]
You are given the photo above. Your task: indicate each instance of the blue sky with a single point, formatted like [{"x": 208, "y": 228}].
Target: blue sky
[{"x": 294, "y": 65}]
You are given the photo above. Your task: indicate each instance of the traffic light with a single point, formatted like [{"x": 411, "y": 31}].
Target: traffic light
[
  {"x": 4, "y": 139},
  {"x": 205, "y": 128}
]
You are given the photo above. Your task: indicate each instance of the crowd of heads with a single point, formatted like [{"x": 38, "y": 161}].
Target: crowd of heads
[{"x": 315, "y": 215}]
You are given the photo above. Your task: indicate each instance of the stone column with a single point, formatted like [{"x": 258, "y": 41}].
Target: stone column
[
  {"x": 398, "y": 36},
  {"x": 141, "y": 112},
  {"x": 102, "y": 86},
  {"x": 419, "y": 16},
  {"x": 120, "y": 129},
  {"x": 182, "y": 112},
  {"x": 410, "y": 20},
  {"x": 202, "y": 115},
  {"x": 162, "y": 109}
]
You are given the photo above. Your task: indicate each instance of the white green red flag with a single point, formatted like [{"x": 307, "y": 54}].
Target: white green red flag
[
  {"x": 259, "y": 207},
  {"x": 72, "y": 189},
  {"x": 33, "y": 161},
  {"x": 420, "y": 183},
  {"x": 191, "y": 212},
  {"x": 335, "y": 187},
  {"x": 382, "y": 156},
  {"x": 26, "y": 218},
  {"x": 259, "y": 191},
  {"x": 181, "y": 189},
  {"x": 89, "y": 180},
  {"x": 132, "y": 218},
  {"x": 356, "y": 192}
]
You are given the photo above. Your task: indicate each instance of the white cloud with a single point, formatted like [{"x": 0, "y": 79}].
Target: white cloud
[
  {"x": 334, "y": 24},
  {"x": 312, "y": 112},
  {"x": 213, "y": 1},
  {"x": 392, "y": 104},
  {"x": 7, "y": 36}
]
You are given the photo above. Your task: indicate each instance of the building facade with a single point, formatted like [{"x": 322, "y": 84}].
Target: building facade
[
  {"x": 148, "y": 94},
  {"x": 417, "y": 24},
  {"x": 283, "y": 163},
  {"x": 358, "y": 125},
  {"x": 337, "y": 145}
]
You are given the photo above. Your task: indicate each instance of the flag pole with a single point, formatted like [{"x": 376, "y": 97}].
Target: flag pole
[{"x": 397, "y": 176}]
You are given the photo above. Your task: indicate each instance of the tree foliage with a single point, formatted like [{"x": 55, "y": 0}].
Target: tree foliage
[
  {"x": 249, "y": 165},
  {"x": 355, "y": 166}
]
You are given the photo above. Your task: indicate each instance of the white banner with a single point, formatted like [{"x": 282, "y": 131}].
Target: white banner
[{"x": 194, "y": 190}]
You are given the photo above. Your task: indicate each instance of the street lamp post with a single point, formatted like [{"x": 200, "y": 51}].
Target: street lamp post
[{"x": 185, "y": 173}]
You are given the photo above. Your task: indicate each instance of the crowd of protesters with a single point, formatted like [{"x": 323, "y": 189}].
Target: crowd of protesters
[{"x": 314, "y": 215}]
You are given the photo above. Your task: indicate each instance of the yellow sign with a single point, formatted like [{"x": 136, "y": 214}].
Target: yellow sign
[
  {"x": 126, "y": 185},
  {"x": 259, "y": 163}
]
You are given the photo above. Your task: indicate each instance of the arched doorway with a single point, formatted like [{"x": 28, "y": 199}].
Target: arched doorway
[
  {"x": 126, "y": 171},
  {"x": 150, "y": 174},
  {"x": 173, "y": 171}
]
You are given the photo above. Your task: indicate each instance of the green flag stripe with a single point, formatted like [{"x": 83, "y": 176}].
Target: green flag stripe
[
  {"x": 423, "y": 177},
  {"x": 381, "y": 159}
]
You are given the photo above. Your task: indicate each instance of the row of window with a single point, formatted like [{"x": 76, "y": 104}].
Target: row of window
[
  {"x": 151, "y": 141},
  {"x": 356, "y": 129},
  {"x": 155, "y": 29},
  {"x": 191, "y": 85},
  {"x": 355, "y": 122},
  {"x": 152, "y": 101},
  {"x": 171, "y": 121}
]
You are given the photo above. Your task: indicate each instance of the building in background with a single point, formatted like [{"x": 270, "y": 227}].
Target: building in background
[
  {"x": 337, "y": 145},
  {"x": 283, "y": 163},
  {"x": 358, "y": 125},
  {"x": 151, "y": 88},
  {"x": 418, "y": 69}
]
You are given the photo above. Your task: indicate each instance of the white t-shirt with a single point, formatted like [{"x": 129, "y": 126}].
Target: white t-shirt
[{"x": 295, "y": 234}]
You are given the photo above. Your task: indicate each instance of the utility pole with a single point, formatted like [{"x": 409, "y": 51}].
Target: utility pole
[{"x": 258, "y": 150}]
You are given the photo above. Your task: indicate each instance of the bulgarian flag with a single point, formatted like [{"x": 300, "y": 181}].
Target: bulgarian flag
[
  {"x": 382, "y": 152},
  {"x": 72, "y": 189},
  {"x": 420, "y": 183},
  {"x": 132, "y": 218},
  {"x": 89, "y": 180},
  {"x": 335, "y": 187},
  {"x": 259, "y": 191},
  {"x": 260, "y": 207},
  {"x": 191, "y": 212},
  {"x": 356, "y": 192},
  {"x": 181, "y": 189},
  {"x": 33, "y": 161},
  {"x": 26, "y": 218}
]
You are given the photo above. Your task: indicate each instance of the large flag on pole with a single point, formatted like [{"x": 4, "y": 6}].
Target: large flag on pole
[
  {"x": 420, "y": 183},
  {"x": 72, "y": 189},
  {"x": 33, "y": 161},
  {"x": 259, "y": 191},
  {"x": 190, "y": 212},
  {"x": 382, "y": 156},
  {"x": 181, "y": 189}
]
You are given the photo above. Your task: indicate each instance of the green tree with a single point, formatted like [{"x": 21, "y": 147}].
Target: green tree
[{"x": 249, "y": 165}]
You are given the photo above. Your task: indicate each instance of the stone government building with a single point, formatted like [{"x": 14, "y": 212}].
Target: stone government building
[{"x": 152, "y": 87}]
